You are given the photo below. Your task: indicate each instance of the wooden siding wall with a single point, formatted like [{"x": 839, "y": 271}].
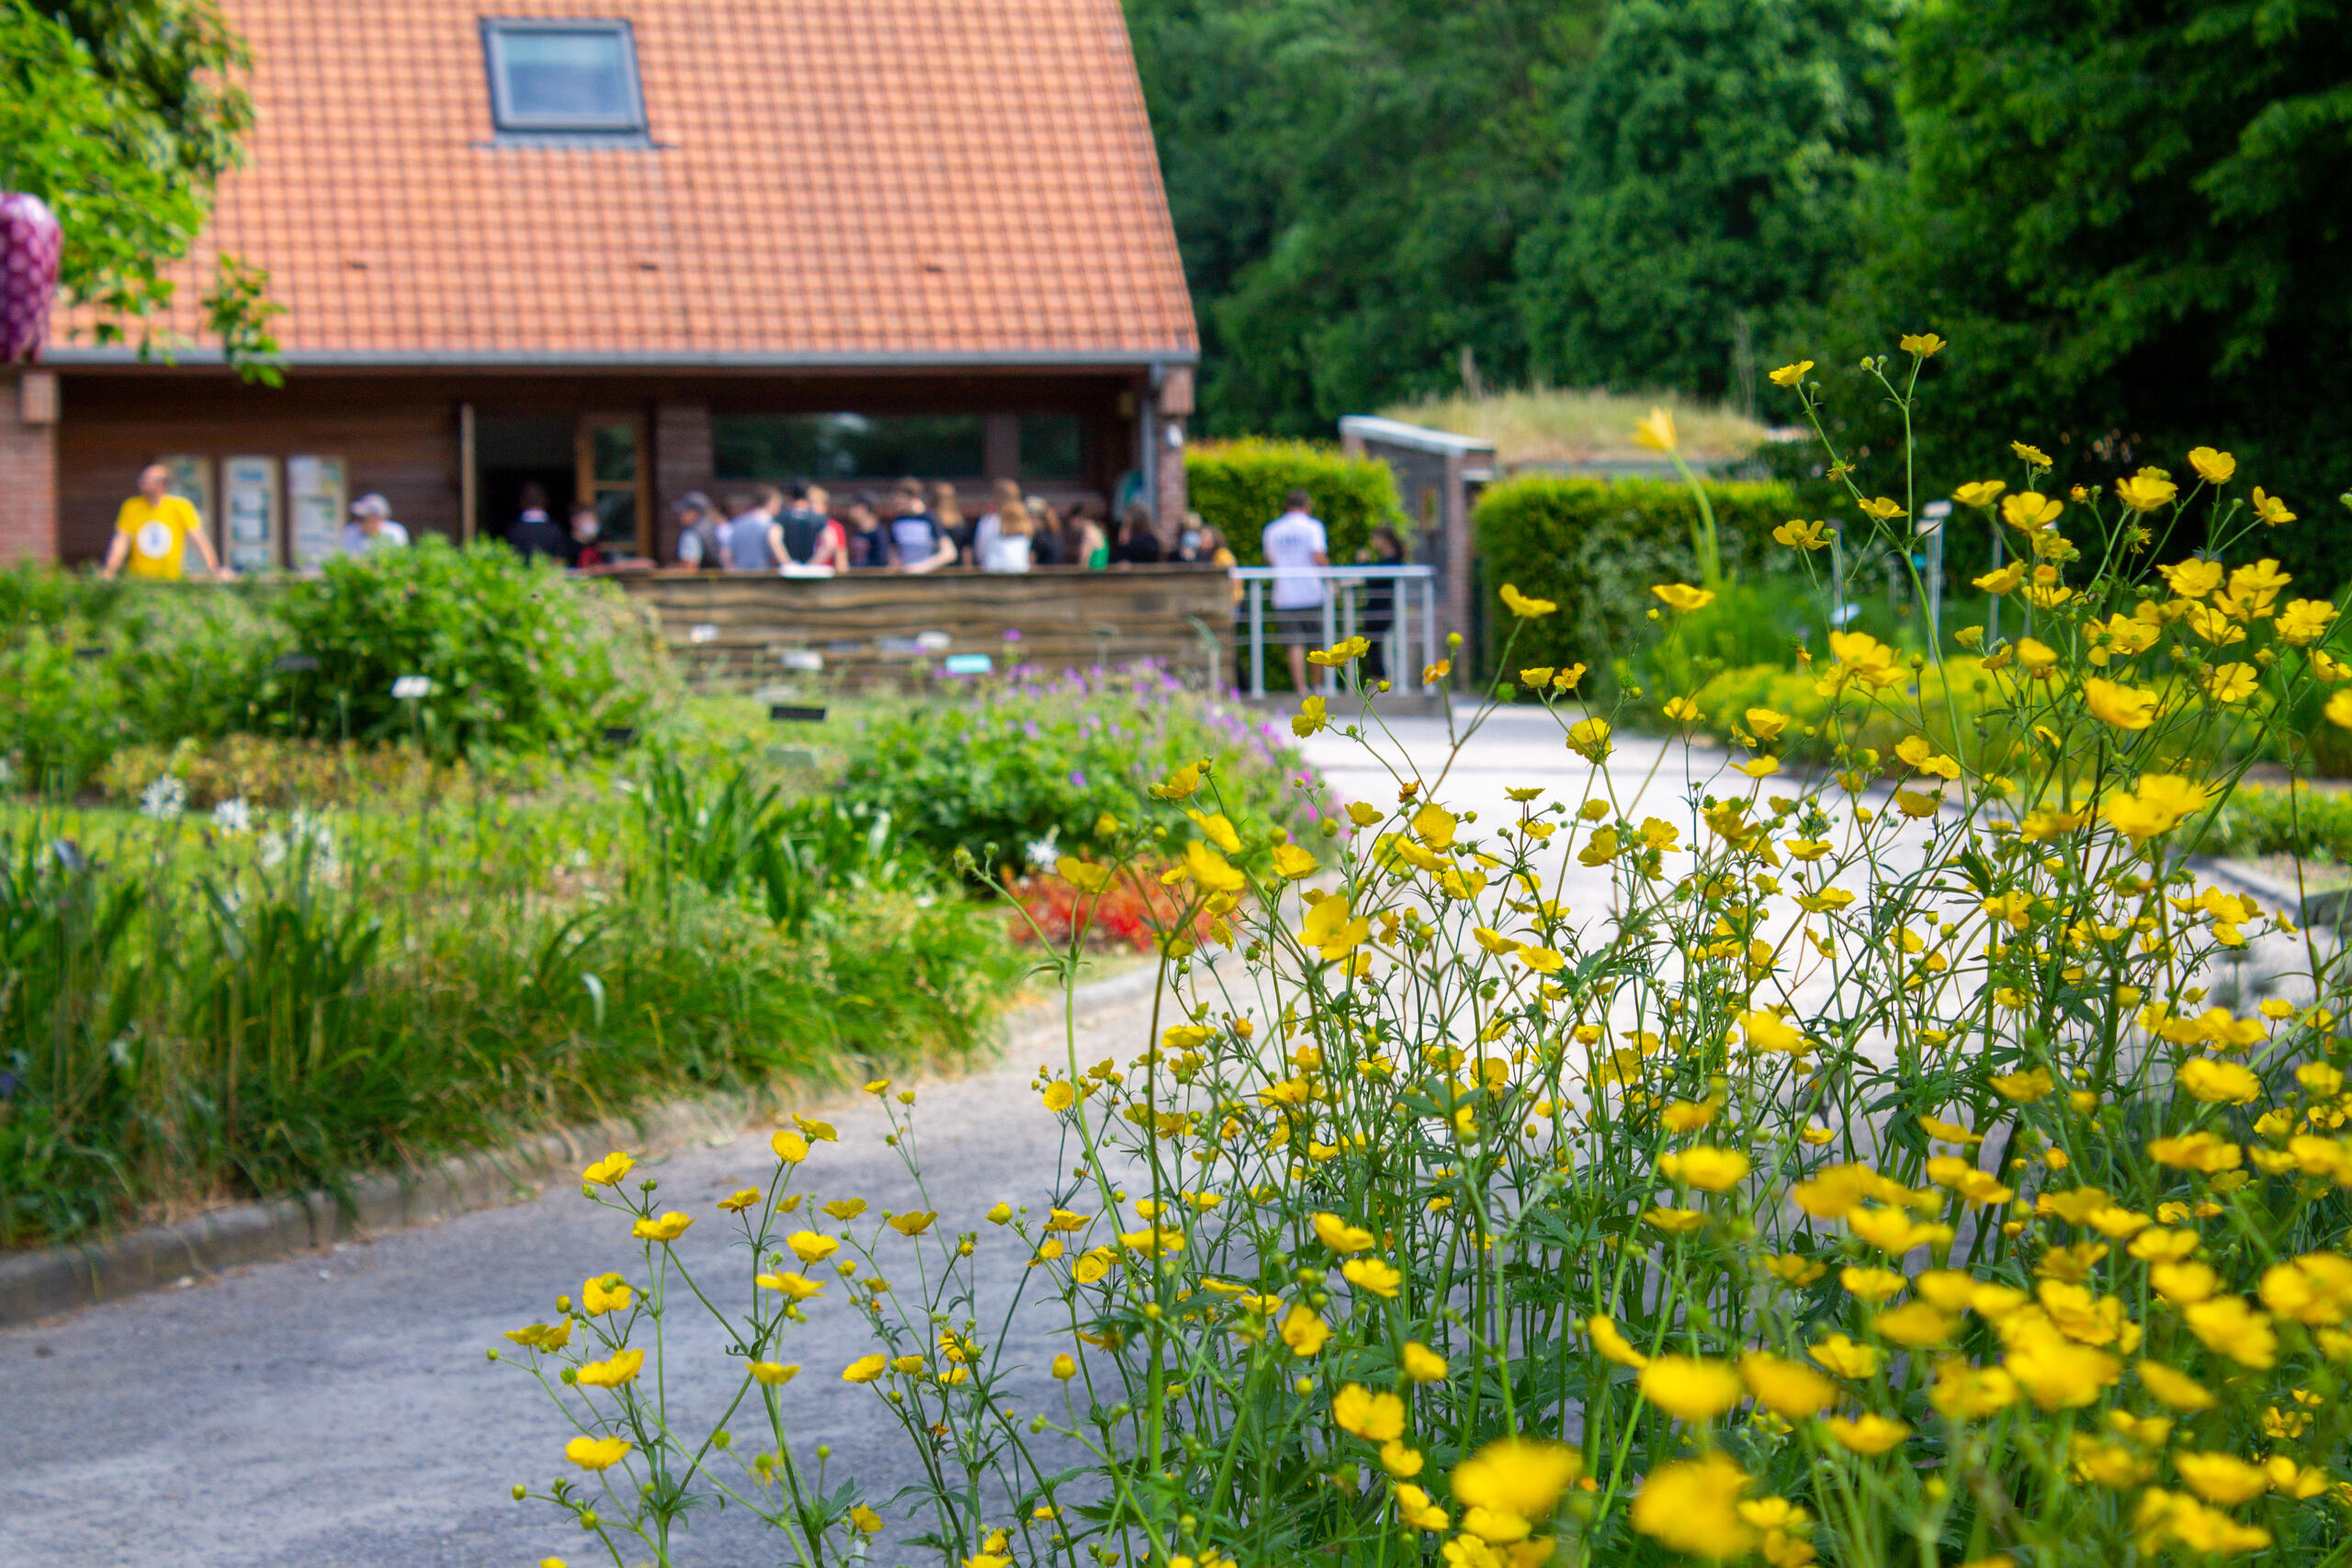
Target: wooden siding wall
[{"x": 732, "y": 631}]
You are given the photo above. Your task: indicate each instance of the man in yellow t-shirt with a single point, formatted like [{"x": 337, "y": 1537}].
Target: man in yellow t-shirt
[{"x": 153, "y": 531}]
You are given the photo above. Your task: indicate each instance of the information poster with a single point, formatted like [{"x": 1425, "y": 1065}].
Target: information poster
[
  {"x": 316, "y": 497},
  {"x": 192, "y": 482},
  {"x": 249, "y": 503}
]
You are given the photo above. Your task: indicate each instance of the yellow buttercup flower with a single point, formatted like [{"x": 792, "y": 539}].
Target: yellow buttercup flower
[
  {"x": 1370, "y": 1274},
  {"x": 1611, "y": 1344},
  {"x": 604, "y": 1294},
  {"x": 608, "y": 1171},
  {"x": 1979, "y": 493},
  {"x": 1925, "y": 344},
  {"x": 1785, "y": 1387},
  {"x": 2229, "y": 683},
  {"x": 912, "y": 1225},
  {"x": 1841, "y": 1357},
  {"x": 2304, "y": 621},
  {"x": 1880, "y": 507},
  {"x": 1331, "y": 931},
  {"x": 2158, "y": 806},
  {"x": 810, "y": 1247},
  {"x": 1869, "y": 1434},
  {"x": 1304, "y": 1332},
  {"x": 1689, "y": 1388},
  {"x": 1799, "y": 535},
  {"x": 2270, "y": 509},
  {"x": 2002, "y": 579},
  {"x": 1589, "y": 737},
  {"x": 865, "y": 1368},
  {"x": 2192, "y": 579},
  {"x": 1692, "y": 1506},
  {"x": 2125, "y": 708},
  {"x": 2214, "y": 468},
  {"x": 736, "y": 1203},
  {"x": 1340, "y": 1237},
  {"x": 1657, "y": 432},
  {"x": 622, "y": 1368},
  {"x": 774, "y": 1374},
  {"x": 596, "y": 1453},
  {"x": 789, "y": 1146},
  {"x": 1682, "y": 596},
  {"x": 1764, "y": 723},
  {"x": 797, "y": 1287},
  {"x": 668, "y": 1228},
  {"x": 1524, "y": 606},
  {"x": 1422, "y": 1364},
  {"x": 1791, "y": 375},
  {"x": 1375, "y": 1417},
  {"x": 2147, "y": 489},
  {"x": 1517, "y": 1476},
  {"x": 2221, "y": 1478},
  {"x": 2033, "y": 457},
  {"x": 2030, "y": 509}
]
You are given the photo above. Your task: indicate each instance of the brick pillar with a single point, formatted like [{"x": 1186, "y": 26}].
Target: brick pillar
[
  {"x": 1175, "y": 404},
  {"x": 681, "y": 461},
  {"x": 27, "y": 465}
]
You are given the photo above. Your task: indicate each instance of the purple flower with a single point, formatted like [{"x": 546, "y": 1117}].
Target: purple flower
[
  {"x": 1077, "y": 780},
  {"x": 1013, "y": 634}
]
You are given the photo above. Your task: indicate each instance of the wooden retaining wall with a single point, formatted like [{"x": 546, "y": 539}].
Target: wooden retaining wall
[{"x": 862, "y": 628}]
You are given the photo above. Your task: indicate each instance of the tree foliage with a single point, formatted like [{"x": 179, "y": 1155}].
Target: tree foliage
[
  {"x": 122, "y": 115},
  {"x": 1351, "y": 182},
  {"x": 2127, "y": 217},
  {"x": 1712, "y": 155}
]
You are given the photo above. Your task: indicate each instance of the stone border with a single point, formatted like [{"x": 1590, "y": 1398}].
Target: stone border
[{"x": 39, "y": 1284}]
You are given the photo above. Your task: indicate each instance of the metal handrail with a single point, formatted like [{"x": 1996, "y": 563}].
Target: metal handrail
[{"x": 1340, "y": 617}]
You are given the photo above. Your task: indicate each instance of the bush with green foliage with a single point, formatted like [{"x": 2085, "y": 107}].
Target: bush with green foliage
[
  {"x": 518, "y": 655},
  {"x": 1594, "y": 548},
  {"x": 1238, "y": 488},
  {"x": 518, "y": 658},
  {"x": 1036, "y": 763}
]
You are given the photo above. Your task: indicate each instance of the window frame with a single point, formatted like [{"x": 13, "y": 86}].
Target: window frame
[{"x": 503, "y": 118}]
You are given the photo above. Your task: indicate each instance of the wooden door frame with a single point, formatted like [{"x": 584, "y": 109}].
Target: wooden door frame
[{"x": 584, "y": 459}]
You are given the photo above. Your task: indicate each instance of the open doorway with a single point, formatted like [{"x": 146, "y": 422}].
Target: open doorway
[{"x": 514, "y": 450}]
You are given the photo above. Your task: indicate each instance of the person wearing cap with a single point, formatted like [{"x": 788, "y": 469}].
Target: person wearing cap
[
  {"x": 699, "y": 532},
  {"x": 371, "y": 527}
]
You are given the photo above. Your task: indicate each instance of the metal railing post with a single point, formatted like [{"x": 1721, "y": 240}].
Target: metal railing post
[
  {"x": 1257, "y": 641},
  {"x": 1429, "y": 629},
  {"x": 1331, "y": 681}
]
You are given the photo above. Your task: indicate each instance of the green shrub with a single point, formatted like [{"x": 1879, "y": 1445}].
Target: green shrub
[
  {"x": 1595, "y": 547},
  {"x": 1238, "y": 488},
  {"x": 1026, "y": 764},
  {"x": 518, "y": 656}
]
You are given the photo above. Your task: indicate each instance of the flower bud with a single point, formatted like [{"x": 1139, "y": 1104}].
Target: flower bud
[{"x": 519, "y": 1492}]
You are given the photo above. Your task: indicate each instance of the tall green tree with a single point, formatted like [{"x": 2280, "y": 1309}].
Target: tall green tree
[
  {"x": 2128, "y": 217},
  {"x": 122, "y": 115},
  {"x": 1351, "y": 180},
  {"x": 1713, "y": 157}
]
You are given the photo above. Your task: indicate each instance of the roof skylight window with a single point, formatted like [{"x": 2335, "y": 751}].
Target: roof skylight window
[{"x": 563, "y": 76}]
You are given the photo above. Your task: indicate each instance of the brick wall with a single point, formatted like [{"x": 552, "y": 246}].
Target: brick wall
[
  {"x": 1170, "y": 504},
  {"x": 28, "y": 479}
]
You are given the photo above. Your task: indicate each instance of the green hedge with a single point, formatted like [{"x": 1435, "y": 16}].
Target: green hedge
[
  {"x": 1237, "y": 488},
  {"x": 1595, "y": 547}
]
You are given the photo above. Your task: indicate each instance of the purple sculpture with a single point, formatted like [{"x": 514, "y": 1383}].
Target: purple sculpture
[{"x": 30, "y": 241}]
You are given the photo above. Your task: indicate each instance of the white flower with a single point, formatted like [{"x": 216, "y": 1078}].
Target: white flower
[
  {"x": 1043, "y": 852},
  {"x": 233, "y": 816},
  {"x": 163, "y": 799},
  {"x": 410, "y": 687}
]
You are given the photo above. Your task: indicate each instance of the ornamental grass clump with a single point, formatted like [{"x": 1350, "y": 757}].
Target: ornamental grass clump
[{"x": 1916, "y": 1164}]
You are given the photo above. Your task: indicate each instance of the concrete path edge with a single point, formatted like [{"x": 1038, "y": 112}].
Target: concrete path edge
[{"x": 56, "y": 1279}]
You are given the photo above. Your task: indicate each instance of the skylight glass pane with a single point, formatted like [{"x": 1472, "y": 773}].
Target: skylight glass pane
[{"x": 564, "y": 78}]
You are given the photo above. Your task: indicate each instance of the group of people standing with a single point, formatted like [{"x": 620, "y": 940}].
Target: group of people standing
[{"x": 915, "y": 529}]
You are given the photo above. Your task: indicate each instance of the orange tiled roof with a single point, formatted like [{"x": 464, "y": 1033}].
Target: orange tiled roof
[{"x": 854, "y": 180}]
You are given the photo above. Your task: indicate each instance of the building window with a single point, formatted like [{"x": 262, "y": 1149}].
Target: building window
[
  {"x": 834, "y": 446},
  {"x": 563, "y": 76},
  {"x": 1052, "y": 446}
]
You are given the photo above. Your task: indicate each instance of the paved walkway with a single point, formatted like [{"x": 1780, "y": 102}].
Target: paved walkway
[{"x": 335, "y": 1408}]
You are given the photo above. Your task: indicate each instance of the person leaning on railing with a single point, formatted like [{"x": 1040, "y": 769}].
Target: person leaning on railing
[{"x": 1297, "y": 547}]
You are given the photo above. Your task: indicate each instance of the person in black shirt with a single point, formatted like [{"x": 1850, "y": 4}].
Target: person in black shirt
[
  {"x": 1138, "y": 542},
  {"x": 1380, "y": 598},
  {"x": 535, "y": 533},
  {"x": 869, "y": 546}
]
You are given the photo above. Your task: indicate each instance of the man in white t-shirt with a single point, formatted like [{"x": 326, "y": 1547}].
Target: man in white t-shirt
[{"x": 1295, "y": 545}]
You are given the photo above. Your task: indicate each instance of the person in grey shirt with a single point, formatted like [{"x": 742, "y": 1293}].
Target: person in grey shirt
[
  {"x": 745, "y": 544},
  {"x": 371, "y": 527}
]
